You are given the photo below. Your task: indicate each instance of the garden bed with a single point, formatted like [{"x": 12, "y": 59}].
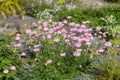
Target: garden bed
[{"x": 61, "y": 44}]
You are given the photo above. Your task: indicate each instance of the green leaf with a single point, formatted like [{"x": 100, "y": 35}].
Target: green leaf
[
  {"x": 1, "y": 75},
  {"x": 60, "y": 2}
]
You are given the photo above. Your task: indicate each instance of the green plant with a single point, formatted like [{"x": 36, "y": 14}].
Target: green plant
[
  {"x": 9, "y": 61},
  {"x": 79, "y": 15},
  {"x": 109, "y": 20},
  {"x": 109, "y": 67},
  {"x": 66, "y": 67},
  {"x": 115, "y": 41},
  {"x": 38, "y": 10},
  {"x": 23, "y": 2},
  {"x": 92, "y": 14},
  {"x": 49, "y": 52},
  {"x": 110, "y": 10},
  {"x": 83, "y": 14},
  {"x": 60, "y": 2},
  {"x": 112, "y": 31}
]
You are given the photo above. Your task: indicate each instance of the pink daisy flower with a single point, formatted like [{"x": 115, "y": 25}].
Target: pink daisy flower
[
  {"x": 76, "y": 54},
  {"x": 5, "y": 71},
  {"x": 49, "y": 61},
  {"x": 108, "y": 44},
  {"x": 100, "y": 50},
  {"x": 12, "y": 68}
]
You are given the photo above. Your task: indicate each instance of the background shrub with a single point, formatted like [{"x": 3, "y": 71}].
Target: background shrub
[
  {"x": 92, "y": 14},
  {"x": 111, "y": 0},
  {"x": 37, "y": 10},
  {"x": 81, "y": 14},
  {"x": 10, "y": 8}
]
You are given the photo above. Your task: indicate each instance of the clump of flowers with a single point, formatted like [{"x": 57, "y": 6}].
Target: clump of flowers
[
  {"x": 64, "y": 42},
  {"x": 75, "y": 35}
]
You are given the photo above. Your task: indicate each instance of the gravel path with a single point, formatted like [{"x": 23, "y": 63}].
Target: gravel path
[{"x": 93, "y": 3}]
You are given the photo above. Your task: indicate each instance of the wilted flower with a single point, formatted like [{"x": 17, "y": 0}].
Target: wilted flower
[
  {"x": 17, "y": 38},
  {"x": 88, "y": 43},
  {"x": 79, "y": 50},
  {"x": 40, "y": 28},
  {"x": 80, "y": 66},
  {"x": 76, "y": 54},
  {"x": 45, "y": 28},
  {"x": 39, "y": 22},
  {"x": 104, "y": 35},
  {"x": 65, "y": 21},
  {"x": 118, "y": 45},
  {"x": 28, "y": 31},
  {"x": 17, "y": 45},
  {"x": 64, "y": 35},
  {"x": 36, "y": 50},
  {"x": 74, "y": 29},
  {"x": 48, "y": 62},
  {"x": 18, "y": 35},
  {"x": 58, "y": 64},
  {"x": 51, "y": 31},
  {"x": 77, "y": 45},
  {"x": 5, "y": 71},
  {"x": 79, "y": 30},
  {"x": 37, "y": 37},
  {"x": 50, "y": 20},
  {"x": 72, "y": 24},
  {"x": 108, "y": 44},
  {"x": 23, "y": 54},
  {"x": 95, "y": 34},
  {"x": 56, "y": 40},
  {"x": 100, "y": 32},
  {"x": 100, "y": 50},
  {"x": 34, "y": 24},
  {"x": 69, "y": 17},
  {"x": 74, "y": 38},
  {"x": 77, "y": 25},
  {"x": 83, "y": 26},
  {"x": 98, "y": 28},
  {"x": 12, "y": 68},
  {"x": 60, "y": 24},
  {"x": 69, "y": 36},
  {"x": 36, "y": 59},
  {"x": 87, "y": 22},
  {"x": 91, "y": 56},
  {"x": 44, "y": 24},
  {"x": 100, "y": 36},
  {"x": 67, "y": 40},
  {"x": 49, "y": 36},
  {"x": 84, "y": 22},
  {"x": 59, "y": 32},
  {"x": 62, "y": 54}
]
